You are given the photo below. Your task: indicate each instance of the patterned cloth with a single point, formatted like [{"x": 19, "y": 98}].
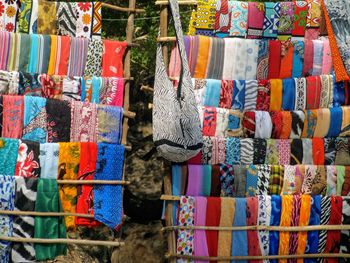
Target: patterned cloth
[
  {"x": 35, "y": 119},
  {"x": 271, "y": 20},
  {"x": 83, "y": 122},
  {"x": 264, "y": 219},
  {"x": 110, "y": 124},
  {"x": 49, "y": 158},
  {"x": 94, "y": 58},
  {"x": 28, "y": 159},
  {"x": 276, "y": 180},
  {"x": 8, "y": 156},
  {"x": 47, "y": 23},
  {"x": 58, "y": 120},
  {"x": 239, "y": 18}
]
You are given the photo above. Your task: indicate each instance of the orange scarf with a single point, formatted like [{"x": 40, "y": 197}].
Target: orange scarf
[
  {"x": 203, "y": 55},
  {"x": 286, "y": 215},
  {"x": 303, "y": 221},
  {"x": 276, "y": 94}
]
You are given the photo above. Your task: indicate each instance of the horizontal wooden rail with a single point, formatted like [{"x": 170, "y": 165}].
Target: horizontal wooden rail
[
  {"x": 166, "y": 39},
  {"x": 129, "y": 114},
  {"x": 170, "y": 198},
  {"x": 123, "y": 9},
  {"x": 222, "y": 258},
  {"x": 45, "y": 214},
  {"x": 260, "y": 228},
  {"x": 92, "y": 182},
  {"x": 63, "y": 241},
  {"x": 181, "y": 2}
]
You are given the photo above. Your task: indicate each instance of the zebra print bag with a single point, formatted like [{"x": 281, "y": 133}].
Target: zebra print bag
[{"x": 176, "y": 125}]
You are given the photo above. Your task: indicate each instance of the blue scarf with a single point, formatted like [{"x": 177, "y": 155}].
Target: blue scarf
[
  {"x": 240, "y": 238},
  {"x": 8, "y": 155},
  {"x": 336, "y": 122},
  {"x": 312, "y": 236},
  {"x": 34, "y": 112},
  {"x": 233, "y": 151},
  {"x": 212, "y": 93},
  {"x": 288, "y": 95},
  {"x": 238, "y": 98},
  {"x": 108, "y": 203},
  {"x": 338, "y": 94},
  {"x": 96, "y": 87},
  {"x": 251, "y": 180},
  {"x": 34, "y": 55},
  {"x": 206, "y": 186},
  {"x": 298, "y": 59},
  {"x": 276, "y": 204}
]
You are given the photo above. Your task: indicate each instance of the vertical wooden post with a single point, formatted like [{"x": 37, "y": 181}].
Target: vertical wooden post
[{"x": 164, "y": 30}]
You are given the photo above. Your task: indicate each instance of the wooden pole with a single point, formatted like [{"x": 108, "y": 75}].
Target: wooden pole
[
  {"x": 45, "y": 214},
  {"x": 164, "y": 30},
  {"x": 123, "y": 9},
  {"x": 92, "y": 182},
  {"x": 83, "y": 242},
  {"x": 181, "y": 2}
]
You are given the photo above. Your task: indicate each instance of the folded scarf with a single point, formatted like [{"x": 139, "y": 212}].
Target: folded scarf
[
  {"x": 313, "y": 92},
  {"x": 274, "y": 59},
  {"x": 307, "y": 151},
  {"x": 336, "y": 122},
  {"x": 340, "y": 172},
  {"x": 112, "y": 92},
  {"x": 8, "y": 154},
  {"x": 318, "y": 57},
  {"x": 259, "y": 151},
  {"x": 276, "y": 94},
  {"x": 252, "y": 220},
  {"x": 263, "y": 124},
  {"x": 329, "y": 150},
  {"x": 239, "y": 18},
  {"x": 234, "y": 125},
  {"x": 226, "y": 94},
  {"x": 276, "y": 207},
  {"x": 289, "y": 181},
  {"x": 226, "y": 220},
  {"x": 238, "y": 98},
  {"x": 298, "y": 118},
  {"x": 331, "y": 180},
  {"x": 314, "y": 14},
  {"x": 223, "y": 16},
  {"x": 300, "y": 94},
  {"x": 29, "y": 84},
  {"x": 286, "y": 19},
  {"x": 230, "y": 51},
  {"x": 345, "y": 234},
  {"x": 284, "y": 149},
  {"x": 49, "y": 154},
  {"x": 227, "y": 179},
  {"x": 87, "y": 170},
  {"x": 209, "y": 121},
  {"x": 305, "y": 212},
  {"x": 249, "y": 124},
  {"x": 12, "y": 116},
  {"x": 325, "y": 217},
  {"x": 26, "y": 191},
  {"x": 276, "y": 179},
  {"x": 286, "y": 215},
  {"x": 288, "y": 94},
  {"x": 108, "y": 204},
  {"x": 240, "y": 172},
  {"x": 251, "y": 180},
  {"x": 300, "y": 13},
  {"x": 200, "y": 241},
  {"x": 6, "y": 226},
  {"x": 312, "y": 236},
  {"x": 327, "y": 63},
  {"x": 58, "y": 120},
  {"x": 247, "y": 151},
  {"x": 185, "y": 242},
  {"x": 35, "y": 116},
  {"x": 310, "y": 173},
  {"x": 51, "y": 86},
  {"x": 263, "y": 60},
  {"x": 47, "y": 18},
  {"x": 72, "y": 87},
  {"x": 240, "y": 238},
  {"x": 218, "y": 150},
  {"x": 28, "y": 159},
  {"x": 323, "y": 123},
  {"x": 342, "y": 156},
  {"x": 286, "y": 124},
  {"x": 296, "y": 149},
  {"x": 277, "y": 124},
  {"x": 287, "y": 53},
  {"x": 215, "y": 65},
  {"x": 110, "y": 124},
  {"x": 93, "y": 65},
  {"x": 213, "y": 219},
  {"x": 271, "y": 20},
  {"x": 264, "y": 218},
  {"x": 233, "y": 150},
  {"x": 112, "y": 59},
  {"x": 48, "y": 227},
  {"x": 309, "y": 123},
  {"x": 345, "y": 127},
  {"x": 256, "y": 14},
  {"x": 272, "y": 152},
  {"x": 339, "y": 93},
  {"x": 263, "y": 95},
  {"x": 216, "y": 173},
  {"x": 293, "y": 239},
  {"x": 263, "y": 179},
  {"x": 318, "y": 151},
  {"x": 346, "y": 185}
]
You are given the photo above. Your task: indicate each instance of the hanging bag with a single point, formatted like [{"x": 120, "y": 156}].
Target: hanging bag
[{"x": 177, "y": 131}]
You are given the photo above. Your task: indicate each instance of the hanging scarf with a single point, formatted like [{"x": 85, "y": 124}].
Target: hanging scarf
[
  {"x": 213, "y": 219},
  {"x": 67, "y": 19},
  {"x": 34, "y": 58},
  {"x": 286, "y": 215},
  {"x": 25, "y": 48},
  {"x": 8, "y": 154},
  {"x": 218, "y": 150},
  {"x": 345, "y": 234},
  {"x": 318, "y": 57},
  {"x": 325, "y": 217},
  {"x": 207, "y": 150},
  {"x": 238, "y": 95},
  {"x": 47, "y": 18},
  {"x": 112, "y": 92},
  {"x": 314, "y": 14},
  {"x": 307, "y": 151},
  {"x": 84, "y": 122},
  {"x": 323, "y": 123},
  {"x": 240, "y": 238},
  {"x": 13, "y": 61},
  {"x": 247, "y": 151},
  {"x": 305, "y": 212},
  {"x": 26, "y": 189},
  {"x": 209, "y": 121},
  {"x": 276, "y": 94},
  {"x": 263, "y": 124},
  {"x": 288, "y": 94},
  {"x": 35, "y": 116},
  {"x": 287, "y": 53},
  {"x": 296, "y": 150},
  {"x": 227, "y": 180},
  {"x": 223, "y": 16},
  {"x": 212, "y": 93},
  {"x": 216, "y": 173},
  {"x": 276, "y": 118},
  {"x": 276, "y": 179},
  {"x": 93, "y": 65},
  {"x": 289, "y": 181},
  {"x": 59, "y": 55},
  {"x": 312, "y": 236},
  {"x": 215, "y": 65},
  {"x": 310, "y": 173},
  {"x": 5, "y": 40},
  {"x": 58, "y": 120},
  {"x": 272, "y": 152},
  {"x": 341, "y": 171},
  {"x": 29, "y": 84},
  {"x": 109, "y": 166},
  {"x": 327, "y": 63},
  {"x": 259, "y": 151},
  {"x": 251, "y": 93},
  {"x": 309, "y": 123},
  {"x": 308, "y": 57},
  {"x": 249, "y": 55},
  {"x": 300, "y": 94},
  {"x": 342, "y": 156},
  {"x": 263, "y": 95},
  {"x": 230, "y": 51},
  {"x": 226, "y": 94},
  {"x": 331, "y": 180},
  {"x": 199, "y": 238},
  {"x": 329, "y": 150},
  {"x": 313, "y": 92},
  {"x": 226, "y": 220},
  {"x": 263, "y": 60},
  {"x": 240, "y": 180},
  {"x": 271, "y": 20},
  {"x": 286, "y": 18},
  {"x": 293, "y": 239},
  {"x": 249, "y": 124},
  {"x": 49, "y": 153},
  {"x": 298, "y": 118},
  {"x": 234, "y": 126},
  {"x": 283, "y": 146},
  {"x": 195, "y": 180},
  {"x": 339, "y": 93},
  {"x": 85, "y": 14},
  {"x": 300, "y": 13},
  {"x": 87, "y": 170},
  {"x": 318, "y": 151},
  {"x": 251, "y": 180},
  {"x": 78, "y": 56},
  {"x": 274, "y": 59},
  {"x": 336, "y": 122},
  {"x": 47, "y": 200},
  {"x": 97, "y": 20},
  {"x": 263, "y": 179},
  {"x": 109, "y": 124},
  {"x": 69, "y": 158},
  {"x": 72, "y": 87},
  {"x": 276, "y": 207},
  {"x": 286, "y": 124},
  {"x": 28, "y": 159},
  {"x": 203, "y": 57},
  {"x": 252, "y": 220},
  {"x": 239, "y": 18},
  {"x": 255, "y": 23},
  {"x": 264, "y": 218}
]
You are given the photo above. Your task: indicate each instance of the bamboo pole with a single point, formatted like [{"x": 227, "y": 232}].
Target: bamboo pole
[
  {"x": 167, "y": 197},
  {"x": 166, "y": 39},
  {"x": 181, "y": 2},
  {"x": 92, "y": 182},
  {"x": 63, "y": 241},
  {"x": 260, "y": 228},
  {"x": 45, "y": 214},
  {"x": 223, "y": 258},
  {"x": 123, "y": 9},
  {"x": 129, "y": 114}
]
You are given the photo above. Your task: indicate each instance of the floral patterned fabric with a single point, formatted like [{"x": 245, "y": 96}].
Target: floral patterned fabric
[{"x": 28, "y": 159}]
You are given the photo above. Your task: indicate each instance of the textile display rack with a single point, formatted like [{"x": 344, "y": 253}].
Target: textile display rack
[
  {"x": 131, "y": 10},
  {"x": 184, "y": 229}
]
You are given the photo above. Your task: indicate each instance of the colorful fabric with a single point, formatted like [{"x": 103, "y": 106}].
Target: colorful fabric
[
  {"x": 28, "y": 159},
  {"x": 263, "y": 60},
  {"x": 12, "y": 116},
  {"x": 293, "y": 239},
  {"x": 251, "y": 180},
  {"x": 263, "y": 95},
  {"x": 49, "y": 158},
  {"x": 287, "y": 53},
  {"x": 263, "y": 179},
  {"x": 305, "y": 211},
  {"x": 324, "y": 220},
  {"x": 238, "y": 98},
  {"x": 300, "y": 14},
  {"x": 288, "y": 94},
  {"x": 233, "y": 151},
  {"x": 112, "y": 58},
  {"x": 276, "y": 94},
  {"x": 226, "y": 94},
  {"x": 200, "y": 241},
  {"x": 9, "y": 154},
  {"x": 275, "y": 220},
  {"x": 298, "y": 118},
  {"x": 83, "y": 122},
  {"x": 264, "y": 218},
  {"x": 58, "y": 120},
  {"x": 252, "y": 220},
  {"x": 223, "y": 16},
  {"x": 312, "y": 236},
  {"x": 272, "y": 152},
  {"x": 67, "y": 18},
  {"x": 239, "y": 17},
  {"x": 28, "y": 17},
  {"x": 209, "y": 121},
  {"x": 286, "y": 18},
  {"x": 271, "y": 20},
  {"x": 240, "y": 238},
  {"x": 298, "y": 58},
  {"x": 35, "y": 117},
  {"x": 213, "y": 219},
  {"x": 286, "y": 215},
  {"x": 259, "y": 151},
  {"x": 314, "y": 14},
  {"x": 78, "y": 56},
  {"x": 275, "y": 59},
  {"x": 255, "y": 23},
  {"x": 109, "y": 124},
  {"x": 227, "y": 177},
  {"x": 276, "y": 179},
  {"x": 47, "y": 23}
]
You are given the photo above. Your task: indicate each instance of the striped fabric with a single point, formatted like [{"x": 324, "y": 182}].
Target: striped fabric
[{"x": 78, "y": 56}]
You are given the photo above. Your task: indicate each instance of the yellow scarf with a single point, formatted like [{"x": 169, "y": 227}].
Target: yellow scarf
[
  {"x": 303, "y": 221},
  {"x": 276, "y": 94},
  {"x": 286, "y": 215},
  {"x": 323, "y": 122},
  {"x": 53, "y": 55}
]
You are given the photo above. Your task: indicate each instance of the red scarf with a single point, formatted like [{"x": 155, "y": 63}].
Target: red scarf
[
  {"x": 64, "y": 55},
  {"x": 213, "y": 219},
  {"x": 318, "y": 151},
  {"x": 252, "y": 220},
  {"x": 112, "y": 58},
  {"x": 313, "y": 92},
  {"x": 275, "y": 59}
]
